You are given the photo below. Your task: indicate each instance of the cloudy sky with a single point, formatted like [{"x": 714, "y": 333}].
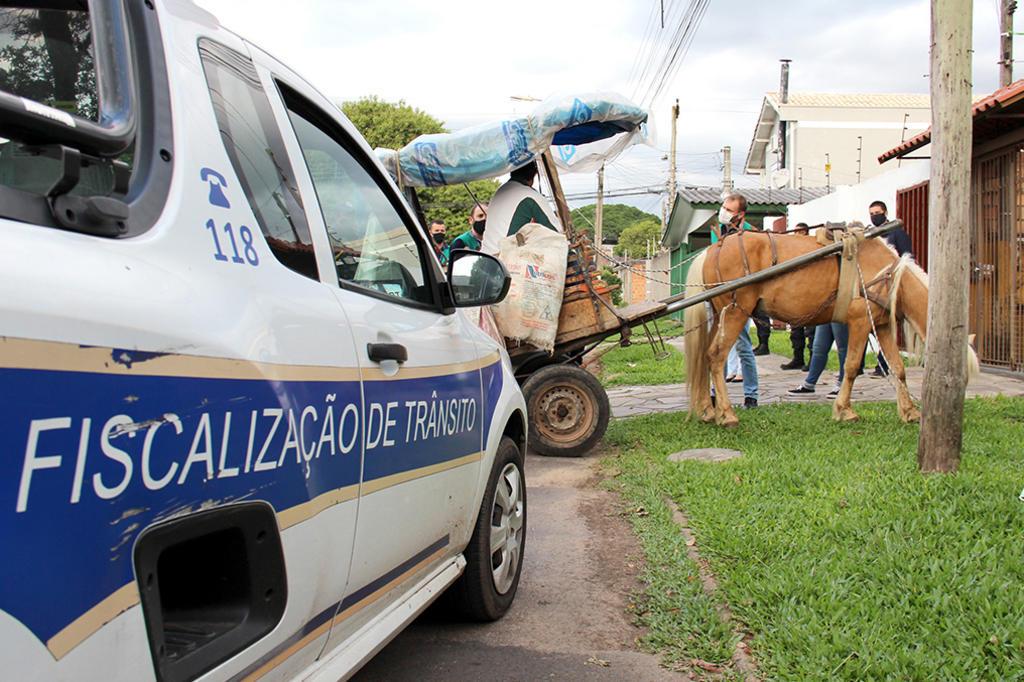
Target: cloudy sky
[{"x": 463, "y": 60}]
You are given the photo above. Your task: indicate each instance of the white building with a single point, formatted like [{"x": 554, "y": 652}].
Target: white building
[{"x": 819, "y": 140}]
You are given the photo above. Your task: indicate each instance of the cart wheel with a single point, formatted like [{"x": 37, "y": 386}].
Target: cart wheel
[{"x": 568, "y": 410}]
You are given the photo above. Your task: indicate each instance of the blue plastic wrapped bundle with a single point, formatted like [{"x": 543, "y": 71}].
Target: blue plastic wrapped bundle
[{"x": 586, "y": 130}]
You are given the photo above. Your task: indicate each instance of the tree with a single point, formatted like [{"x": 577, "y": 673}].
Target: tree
[
  {"x": 638, "y": 237},
  {"x": 452, "y": 204},
  {"x": 395, "y": 124},
  {"x": 617, "y": 217},
  {"x": 612, "y": 278},
  {"x": 387, "y": 124}
]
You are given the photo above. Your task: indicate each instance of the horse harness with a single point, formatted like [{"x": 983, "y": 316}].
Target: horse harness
[
  {"x": 847, "y": 280},
  {"x": 743, "y": 255}
]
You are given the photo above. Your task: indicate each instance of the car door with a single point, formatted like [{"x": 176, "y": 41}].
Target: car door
[
  {"x": 420, "y": 368},
  {"x": 307, "y": 437}
]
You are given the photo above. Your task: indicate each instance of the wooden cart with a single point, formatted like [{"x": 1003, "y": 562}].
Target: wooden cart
[{"x": 568, "y": 407}]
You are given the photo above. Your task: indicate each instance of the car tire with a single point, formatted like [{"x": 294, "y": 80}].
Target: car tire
[
  {"x": 568, "y": 410},
  {"x": 485, "y": 590}
]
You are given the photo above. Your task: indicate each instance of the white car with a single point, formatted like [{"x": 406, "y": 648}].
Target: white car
[{"x": 246, "y": 433}]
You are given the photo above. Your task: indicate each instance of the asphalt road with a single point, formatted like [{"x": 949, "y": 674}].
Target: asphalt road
[{"x": 570, "y": 620}]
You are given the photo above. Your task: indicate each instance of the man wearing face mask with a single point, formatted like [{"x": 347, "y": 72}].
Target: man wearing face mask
[
  {"x": 471, "y": 238},
  {"x": 731, "y": 218},
  {"x": 899, "y": 240},
  {"x": 437, "y": 235},
  {"x": 515, "y": 204}
]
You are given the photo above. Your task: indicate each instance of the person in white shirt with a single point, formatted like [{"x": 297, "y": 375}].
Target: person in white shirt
[{"x": 516, "y": 203}]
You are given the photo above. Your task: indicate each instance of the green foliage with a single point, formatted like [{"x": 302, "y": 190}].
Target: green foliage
[
  {"x": 388, "y": 124},
  {"x": 452, "y": 204},
  {"x": 612, "y": 278},
  {"x": 617, "y": 217},
  {"x": 636, "y": 238},
  {"x": 394, "y": 125},
  {"x": 842, "y": 560}
]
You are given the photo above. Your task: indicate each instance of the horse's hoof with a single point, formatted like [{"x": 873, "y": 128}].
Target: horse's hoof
[
  {"x": 845, "y": 415},
  {"x": 729, "y": 421},
  {"x": 911, "y": 416}
]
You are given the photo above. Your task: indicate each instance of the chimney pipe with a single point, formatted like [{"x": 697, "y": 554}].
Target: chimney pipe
[{"x": 784, "y": 81}]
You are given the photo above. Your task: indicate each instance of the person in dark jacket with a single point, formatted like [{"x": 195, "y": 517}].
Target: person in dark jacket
[
  {"x": 471, "y": 238},
  {"x": 899, "y": 240}
]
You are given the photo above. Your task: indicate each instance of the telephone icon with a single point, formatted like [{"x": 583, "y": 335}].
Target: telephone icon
[{"x": 217, "y": 183}]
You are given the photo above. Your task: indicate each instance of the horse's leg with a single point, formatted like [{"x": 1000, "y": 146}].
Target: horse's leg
[
  {"x": 705, "y": 410},
  {"x": 904, "y": 403},
  {"x": 728, "y": 328},
  {"x": 857, "y": 325}
]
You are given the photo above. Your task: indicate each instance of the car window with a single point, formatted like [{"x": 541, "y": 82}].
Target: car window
[
  {"x": 371, "y": 243},
  {"x": 254, "y": 145},
  {"x": 46, "y": 57}
]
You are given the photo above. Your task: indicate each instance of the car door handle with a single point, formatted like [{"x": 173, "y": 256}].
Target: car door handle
[{"x": 379, "y": 352}]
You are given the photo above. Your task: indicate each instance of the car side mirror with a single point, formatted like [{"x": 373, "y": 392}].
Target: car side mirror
[{"x": 476, "y": 278}]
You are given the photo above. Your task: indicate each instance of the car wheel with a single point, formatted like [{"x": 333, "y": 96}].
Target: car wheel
[
  {"x": 568, "y": 410},
  {"x": 494, "y": 556}
]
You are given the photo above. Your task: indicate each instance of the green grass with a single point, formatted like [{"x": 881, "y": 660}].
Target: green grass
[
  {"x": 680, "y": 620},
  {"x": 839, "y": 557},
  {"x": 638, "y": 365}
]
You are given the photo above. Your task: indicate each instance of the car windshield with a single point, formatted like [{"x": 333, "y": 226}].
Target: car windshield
[{"x": 46, "y": 56}]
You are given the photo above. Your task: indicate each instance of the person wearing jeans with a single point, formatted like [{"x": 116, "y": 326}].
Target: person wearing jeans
[
  {"x": 824, "y": 336},
  {"x": 745, "y": 349}
]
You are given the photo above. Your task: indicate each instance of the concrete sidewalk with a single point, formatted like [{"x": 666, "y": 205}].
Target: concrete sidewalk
[{"x": 629, "y": 401}]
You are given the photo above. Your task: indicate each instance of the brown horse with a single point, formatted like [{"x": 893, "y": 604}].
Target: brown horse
[{"x": 897, "y": 292}]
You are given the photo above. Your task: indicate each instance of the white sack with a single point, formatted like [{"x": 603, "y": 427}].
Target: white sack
[{"x": 529, "y": 313}]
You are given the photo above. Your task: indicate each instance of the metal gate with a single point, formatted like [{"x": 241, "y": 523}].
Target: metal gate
[
  {"x": 912, "y": 209},
  {"x": 997, "y": 259}
]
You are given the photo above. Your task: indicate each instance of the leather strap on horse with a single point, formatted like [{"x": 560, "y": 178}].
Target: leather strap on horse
[{"x": 847, "y": 273}]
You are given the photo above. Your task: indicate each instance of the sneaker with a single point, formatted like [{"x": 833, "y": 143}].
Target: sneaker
[
  {"x": 749, "y": 403},
  {"x": 795, "y": 363},
  {"x": 800, "y": 389},
  {"x": 878, "y": 373},
  {"x": 834, "y": 392},
  {"x": 761, "y": 350}
]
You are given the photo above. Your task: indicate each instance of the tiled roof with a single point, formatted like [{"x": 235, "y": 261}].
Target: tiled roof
[
  {"x": 853, "y": 100},
  {"x": 1003, "y": 97},
  {"x": 754, "y": 195}
]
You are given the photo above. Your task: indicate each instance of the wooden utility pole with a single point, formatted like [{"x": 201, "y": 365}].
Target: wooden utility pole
[
  {"x": 949, "y": 211},
  {"x": 599, "y": 209},
  {"x": 1006, "y": 10},
  {"x": 671, "y": 185},
  {"x": 564, "y": 214}
]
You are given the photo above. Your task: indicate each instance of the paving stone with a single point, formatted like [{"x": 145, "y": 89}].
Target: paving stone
[
  {"x": 628, "y": 401},
  {"x": 705, "y": 455}
]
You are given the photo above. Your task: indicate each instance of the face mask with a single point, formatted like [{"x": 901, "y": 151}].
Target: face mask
[
  {"x": 478, "y": 226},
  {"x": 438, "y": 237},
  {"x": 725, "y": 216},
  {"x": 877, "y": 219}
]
